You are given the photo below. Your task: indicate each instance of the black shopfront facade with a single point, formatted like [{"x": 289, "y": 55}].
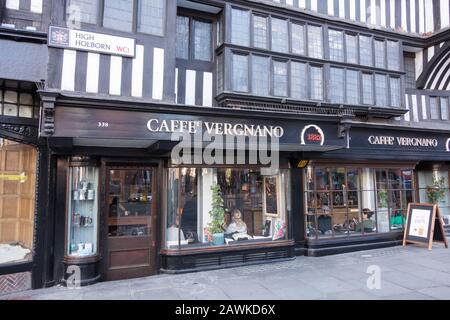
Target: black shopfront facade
[
  {"x": 356, "y": 198},
  {"x": 124, "y": 208}
]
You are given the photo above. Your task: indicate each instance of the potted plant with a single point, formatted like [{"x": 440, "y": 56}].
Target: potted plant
[
  {"x": 436, "y": 191},
  {"x": 217, "y": 214},
  {"x": 383, "y": 198}
]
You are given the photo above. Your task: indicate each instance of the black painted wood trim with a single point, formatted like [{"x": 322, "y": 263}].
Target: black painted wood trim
[
  {"x": 16, "y": 267},
  {"x": 23, "y": 35},
  {"x": 429, "y": 67}
]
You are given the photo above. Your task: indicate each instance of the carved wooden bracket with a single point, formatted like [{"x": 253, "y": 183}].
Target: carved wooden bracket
[{"x": 48, "y": 100}]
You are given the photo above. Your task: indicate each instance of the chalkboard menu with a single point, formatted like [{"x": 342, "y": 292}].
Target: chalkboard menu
[{"x": 424, "y": 225}]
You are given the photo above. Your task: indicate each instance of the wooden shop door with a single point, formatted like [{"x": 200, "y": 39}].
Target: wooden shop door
[
  {"x": 131, "y": 220},
  {"x": 17, "y": 192}
]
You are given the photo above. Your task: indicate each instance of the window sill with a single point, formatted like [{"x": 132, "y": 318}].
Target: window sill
[{"x": 227, "y": 248}]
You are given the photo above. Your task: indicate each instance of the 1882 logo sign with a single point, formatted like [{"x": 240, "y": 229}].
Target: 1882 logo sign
[{"x": 312, "y": 135}]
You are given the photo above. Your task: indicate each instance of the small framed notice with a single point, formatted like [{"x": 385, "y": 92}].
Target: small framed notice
[
  {"x": 424, "y": 225},
  {"x": 271, "y": 196}
]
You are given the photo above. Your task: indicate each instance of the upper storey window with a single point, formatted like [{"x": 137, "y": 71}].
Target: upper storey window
[
  {"x": 240, "y": 30},
  {"x": 315, "y": 42},
  {"x": 410, "y": 69},
  {"x": 280, "y": 40},
  {"x": 336, "y": 42},
  {"x": 145, "y": 16},
  {"x": 280, "y": 82},
  {"x": 393, "y": 54},
  {"x": 351, "y": 48},
  {"x": 84, "y": 11},
  {"x": 182, "y": 45},
  {"x": 298, "y": 38},
  {"x": 380, "y": 61},
  {"x": 151, "y": 17},
  {"x": 200, "y": 39},
  {"x": 365, "y": 50},
  {"x": 240, "y": 72},
  {"x": 118, "y": 15},
  {"x": 260, "y": 32}
]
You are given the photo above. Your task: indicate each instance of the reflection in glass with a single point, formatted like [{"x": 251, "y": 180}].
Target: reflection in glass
[
  {"x": 361, "y": 200},
  {"x": 83, "y": 211},
  {"x": 130, "y": 203},
  {"x": 255, "y": 206},
  {"x": 17, "y": 198},
  {"x": 202, "y": 40},
  {"x": 260, "y": 32}
]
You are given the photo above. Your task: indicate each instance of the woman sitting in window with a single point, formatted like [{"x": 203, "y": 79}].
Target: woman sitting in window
[{"x": 366, "y": 223}]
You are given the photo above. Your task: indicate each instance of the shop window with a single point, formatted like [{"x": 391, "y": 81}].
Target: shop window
[
  {"x": 118, "y": 14},
  {"x": 225, "y": 206},
  {"x": 17, "y": 200},
  {"x": 298, "y": 38},
  {"x": 260, "y": 75},
  {"x": 151, "y": 17},
  {"x": 84, "y": 11},
  {"x": 336, "y": 43},
  {"x": 434, "y": 188},
  {"x": 346, "y": 201},
  {"x": 18, "y": 104},
  {"x": 280, "y": 42},
  {"x": 240, "y": 27},
  {"x": 315, "y": 47},
  {"x": 260, "y": 32},
  {"x": 82, "y": 222}
]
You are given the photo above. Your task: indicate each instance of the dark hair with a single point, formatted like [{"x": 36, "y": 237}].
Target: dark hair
[{"x": 368, "y": 212}]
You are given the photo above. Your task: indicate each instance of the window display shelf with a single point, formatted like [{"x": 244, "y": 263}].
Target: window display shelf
[
  {"x": 82, "y": 211},
  {"x": 128, "y": 221}
]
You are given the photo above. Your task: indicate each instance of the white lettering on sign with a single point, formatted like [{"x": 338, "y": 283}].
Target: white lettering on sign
[
  {"x": 90, "y": 41},
  {"x": 214, "y": 128},
  {"x": 403, "y": 141}
]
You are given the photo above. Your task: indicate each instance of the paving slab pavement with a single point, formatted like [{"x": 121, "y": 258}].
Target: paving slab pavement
[{"x": 405, "y": 273}]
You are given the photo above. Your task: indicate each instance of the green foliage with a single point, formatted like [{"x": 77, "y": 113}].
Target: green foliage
[
  {"x": 436, "y": 191},
  {"x": 217, "y": 212},
  {"x": 383, "y": 198}
]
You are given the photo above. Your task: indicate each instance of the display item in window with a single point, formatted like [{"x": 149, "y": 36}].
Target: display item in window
[
  {"x": 189, "y": 215},
  {"x": 91, "y": 194},
  {"x": 237, "y": 225},
  {"x": 279, "y": 230},
  {"x": 366, "y": 223},
  {"x": 174, "y": 234}
]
